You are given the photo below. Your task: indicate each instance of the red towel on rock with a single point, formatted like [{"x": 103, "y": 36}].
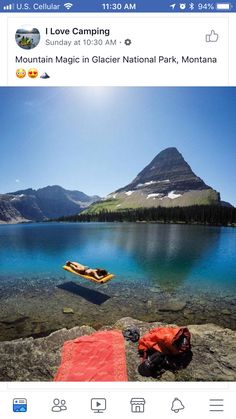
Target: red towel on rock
[{"x": 96, "y": 357}]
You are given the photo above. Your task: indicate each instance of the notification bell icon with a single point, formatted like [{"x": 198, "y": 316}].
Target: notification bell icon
[{"x": 177, "y": 405}]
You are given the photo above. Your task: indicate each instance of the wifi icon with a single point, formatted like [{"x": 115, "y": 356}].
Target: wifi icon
[{"x": 68, "y": 5}]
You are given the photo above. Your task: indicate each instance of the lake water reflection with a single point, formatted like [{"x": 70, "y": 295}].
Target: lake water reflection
[{"x": 152, "y": 263}]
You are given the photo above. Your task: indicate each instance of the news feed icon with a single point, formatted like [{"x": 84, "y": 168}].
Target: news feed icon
[
  {"x": 98, "y": 405},
  {"x": 27, "y": 37},
  {"x": 19, "y": 405}
]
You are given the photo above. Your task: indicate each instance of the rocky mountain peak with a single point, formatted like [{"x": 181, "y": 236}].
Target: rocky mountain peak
[
  {"x": 167, "y": 172},
  {"x": 167, "y": 181}
]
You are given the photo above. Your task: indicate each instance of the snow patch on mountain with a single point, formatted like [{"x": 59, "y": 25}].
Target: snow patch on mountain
[
  {"x": 153, "y": 195},
  {"x": 173, "y": 195},
  {"x": 17, "y": 197},
  {"x": 110, "y": 196},
  {"x": 140, "y": 185}
]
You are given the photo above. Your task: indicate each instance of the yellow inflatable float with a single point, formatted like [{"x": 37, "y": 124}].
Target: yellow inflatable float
[{"x": 90, "y": 278}]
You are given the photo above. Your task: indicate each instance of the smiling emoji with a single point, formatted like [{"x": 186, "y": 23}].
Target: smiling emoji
[
  {"x": 20, "y": 73},
  {"x": 33, "y": 73}
]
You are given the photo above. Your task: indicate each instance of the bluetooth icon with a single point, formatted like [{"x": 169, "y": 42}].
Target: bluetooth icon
[{"x": 191, "y": 6}]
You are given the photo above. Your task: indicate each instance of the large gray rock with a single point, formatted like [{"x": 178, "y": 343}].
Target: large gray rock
[
  {"x": 35, "y": 359},
  {"x": 213, "y": 347}
]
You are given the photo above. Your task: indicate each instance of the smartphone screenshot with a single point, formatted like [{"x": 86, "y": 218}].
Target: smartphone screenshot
[{"x": 117, "y": 209}]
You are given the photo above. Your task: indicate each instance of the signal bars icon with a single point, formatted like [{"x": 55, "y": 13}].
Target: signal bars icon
[{"x": 8, "y": 7}]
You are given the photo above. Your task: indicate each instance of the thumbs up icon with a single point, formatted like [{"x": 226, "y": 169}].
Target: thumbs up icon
[{"x": 212, "y": 37}]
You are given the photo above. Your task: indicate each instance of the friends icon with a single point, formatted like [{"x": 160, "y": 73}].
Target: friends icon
[{"x": 59, "y": 405}]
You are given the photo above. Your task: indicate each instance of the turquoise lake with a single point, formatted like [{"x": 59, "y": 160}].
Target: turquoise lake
[
  {"x": 169, "y": 255},
  {"x": 152, "y": 263}
]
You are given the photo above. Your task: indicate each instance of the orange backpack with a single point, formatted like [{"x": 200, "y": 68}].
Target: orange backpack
[{"x": 166, "y": 340}]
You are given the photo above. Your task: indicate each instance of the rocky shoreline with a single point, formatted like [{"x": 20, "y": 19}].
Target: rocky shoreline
[{"x": 213, "y": 347}]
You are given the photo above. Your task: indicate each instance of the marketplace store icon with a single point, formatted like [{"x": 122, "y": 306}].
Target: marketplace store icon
[
  {"x": 27, "y": 37},
  {"x": 137, "y": 405}
]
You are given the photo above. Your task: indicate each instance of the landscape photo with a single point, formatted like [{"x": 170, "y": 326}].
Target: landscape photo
[
  {"x": 117, "y": 217},
  {"x": 27, "y": 37}
]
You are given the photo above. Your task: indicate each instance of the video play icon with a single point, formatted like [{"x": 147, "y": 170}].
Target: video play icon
[{"x": 98, "y": 405}]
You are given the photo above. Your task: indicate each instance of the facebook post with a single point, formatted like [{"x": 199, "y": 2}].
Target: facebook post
[{"x": 117, "y": 209}]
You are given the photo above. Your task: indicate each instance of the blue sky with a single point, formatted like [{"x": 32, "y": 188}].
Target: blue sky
[{"x": 97, "y": 139}]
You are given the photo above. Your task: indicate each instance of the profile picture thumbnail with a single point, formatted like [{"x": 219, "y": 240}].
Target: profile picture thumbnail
[{"x": 27, "y": 37}]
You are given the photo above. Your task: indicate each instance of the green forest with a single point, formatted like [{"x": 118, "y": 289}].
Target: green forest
[{"x": 196, "y": 214}]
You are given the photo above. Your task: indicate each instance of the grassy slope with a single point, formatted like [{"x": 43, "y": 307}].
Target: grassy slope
[{"x": 204, "y": 197}]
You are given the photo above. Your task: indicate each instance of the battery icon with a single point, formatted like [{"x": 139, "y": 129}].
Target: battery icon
[{"x": 223, "y": 6}]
